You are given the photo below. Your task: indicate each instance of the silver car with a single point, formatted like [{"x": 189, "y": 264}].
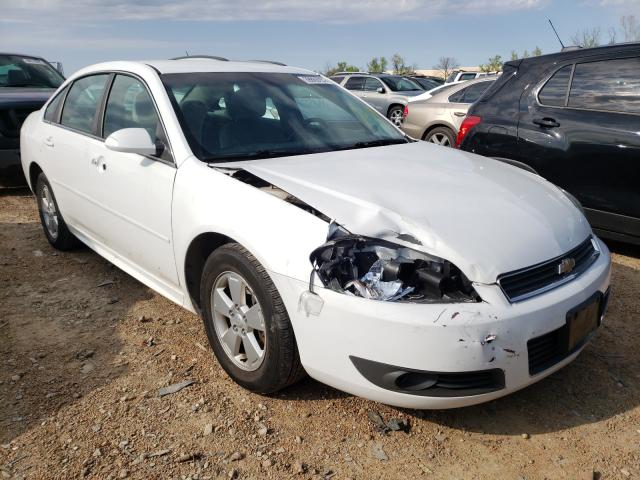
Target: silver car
[
  {"x": 437, "y": 119},
  {"x": 386, "y": 93}
]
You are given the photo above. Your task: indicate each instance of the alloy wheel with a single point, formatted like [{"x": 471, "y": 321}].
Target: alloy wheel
[
  {"x": 238, "y": 321},
  {"x": 49, "y": 212},
  {"x": 440, "y": 139},
  {"x": 396, "y": 117}
]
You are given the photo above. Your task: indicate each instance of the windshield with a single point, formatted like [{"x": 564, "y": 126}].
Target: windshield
[
  {"x": 17, "y": 71},
  {"x": 229, "y": 116},
  {"x": 401, "y": 84}
]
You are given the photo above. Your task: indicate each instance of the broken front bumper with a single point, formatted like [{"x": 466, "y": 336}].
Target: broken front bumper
[{"x": 489, "y": 337}]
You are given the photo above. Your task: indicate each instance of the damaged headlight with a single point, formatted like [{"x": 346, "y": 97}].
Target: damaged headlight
[{"x": 381, "y": 270}]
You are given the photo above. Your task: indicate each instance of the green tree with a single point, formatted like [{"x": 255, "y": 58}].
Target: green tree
[
  {"x": 514, "y": 55},
  {"x": 537, "y": 52},
  {"x": 494, "y": 65},
  {"x": 397, "y": 61},
  {"x": 377, "y": 65},
  {"x": 340, "y": 67},
  {"x": 525, "y": 54}
]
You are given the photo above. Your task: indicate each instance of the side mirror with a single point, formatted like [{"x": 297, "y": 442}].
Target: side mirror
[
  {"x": 131, "y": 140},
  {"x": 380, "y": 90}
]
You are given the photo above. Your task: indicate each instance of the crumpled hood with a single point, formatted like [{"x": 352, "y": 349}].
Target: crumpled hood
[{"x": 484, "y": 216}]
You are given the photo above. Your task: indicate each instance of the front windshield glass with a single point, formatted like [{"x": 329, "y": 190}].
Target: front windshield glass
[
  {"x": 229, "y": 116},
  {"x": 17, "y": 71},
  {"x": 401, "y": 84}
]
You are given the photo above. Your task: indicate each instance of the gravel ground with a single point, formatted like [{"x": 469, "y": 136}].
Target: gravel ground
[{"x": 85, "y": 349}]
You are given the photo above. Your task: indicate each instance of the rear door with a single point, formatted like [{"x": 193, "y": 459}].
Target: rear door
[
  {"x": 133, "y": 192},
  {"x": 66, "y": 134},
  {"x": 580, "y": 130}
]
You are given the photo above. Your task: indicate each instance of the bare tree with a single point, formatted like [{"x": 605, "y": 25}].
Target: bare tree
[
  {"x": 630, "y": 28},
  {"x": 587, "y": 38},
  {"x": 612, "y": 35},
  {"x": 397, "y": 61},
  {"x": 446, "y": 65}
]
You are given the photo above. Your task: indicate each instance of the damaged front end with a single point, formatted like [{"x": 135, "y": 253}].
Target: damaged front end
[{"x": 380, "y": 270}]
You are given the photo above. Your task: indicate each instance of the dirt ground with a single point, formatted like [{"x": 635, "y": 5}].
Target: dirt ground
[{"x": 85, "y": 348}]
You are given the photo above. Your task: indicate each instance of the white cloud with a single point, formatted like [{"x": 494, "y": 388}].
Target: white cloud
[{"x": 256, "y": 10}]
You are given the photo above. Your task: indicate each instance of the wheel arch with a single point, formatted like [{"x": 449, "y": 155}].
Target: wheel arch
[
  {"x": 393, "y": 105},
  {"x": 197, "y": 253},
  {"x": 432, "y": 127},
  {"x": 34, "y": 171}
]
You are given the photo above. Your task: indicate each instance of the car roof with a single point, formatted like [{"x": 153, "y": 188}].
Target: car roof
[
  {"x": 196, "y": 65},
  {"x": 570, "y": 54}
]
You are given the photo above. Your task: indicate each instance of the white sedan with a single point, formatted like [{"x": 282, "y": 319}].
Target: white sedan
[{"x": 312, "y": 236}]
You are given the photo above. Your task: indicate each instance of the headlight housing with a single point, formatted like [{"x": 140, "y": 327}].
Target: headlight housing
[{"x": 384, "y": 271}]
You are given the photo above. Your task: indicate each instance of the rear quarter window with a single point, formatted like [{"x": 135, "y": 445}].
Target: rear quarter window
[
  {"x": 554, "y": 92},
  {"x": 51, "y": 114}
]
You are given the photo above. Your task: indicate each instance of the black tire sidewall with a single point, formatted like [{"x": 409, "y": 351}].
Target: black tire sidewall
[{"x": 268, "y": 376}]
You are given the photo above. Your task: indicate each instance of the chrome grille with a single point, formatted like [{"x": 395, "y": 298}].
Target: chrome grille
[{"x": 527, "y": 282}]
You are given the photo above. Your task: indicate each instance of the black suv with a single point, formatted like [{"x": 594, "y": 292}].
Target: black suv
[
  {"x": 26, "y": 83},
  {"x": 574, "y": 118}
]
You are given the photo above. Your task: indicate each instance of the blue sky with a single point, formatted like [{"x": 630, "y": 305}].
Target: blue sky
[{"x": 307, "y": 33}]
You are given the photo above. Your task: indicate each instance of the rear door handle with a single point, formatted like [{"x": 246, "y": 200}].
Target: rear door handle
[
  {"x": 546, "y": 122},
  {"x": 48, "y": 141},
  {"x": 460, "y": 114}
]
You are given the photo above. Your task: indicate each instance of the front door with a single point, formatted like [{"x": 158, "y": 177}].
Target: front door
[{"x": 134, "y": 192}]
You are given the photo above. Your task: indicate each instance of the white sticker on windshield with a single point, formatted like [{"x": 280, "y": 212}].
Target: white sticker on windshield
[
  {"x": 314, "y": 79},
  {"x": 33, "y": 61}
]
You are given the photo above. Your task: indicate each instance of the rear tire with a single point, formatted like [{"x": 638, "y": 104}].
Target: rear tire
[
  {"x": 53, "y": 224},
  {"x": 442, "y": 136},
  {"x": 246, "y": 322}
]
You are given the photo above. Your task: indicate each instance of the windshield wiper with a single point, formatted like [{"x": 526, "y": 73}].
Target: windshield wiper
[
  {"x": 375, "y": 143},
  {"x": 259, "y": 154}
]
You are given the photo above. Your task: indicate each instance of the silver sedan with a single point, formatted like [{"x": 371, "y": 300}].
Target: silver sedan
[{"x": 438, "y": 118}]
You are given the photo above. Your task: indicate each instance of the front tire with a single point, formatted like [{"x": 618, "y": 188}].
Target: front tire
[
  {"x": 54, "y": 226},
  {"x": 246, "y": 322}
]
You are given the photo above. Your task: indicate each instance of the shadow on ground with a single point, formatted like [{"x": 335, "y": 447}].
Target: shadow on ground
[{"x": 57, "y": 318}]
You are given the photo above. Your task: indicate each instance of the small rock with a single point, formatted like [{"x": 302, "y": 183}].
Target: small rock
[
  {"x": 526, "y": 436},
  {"x": 298, "y": 439},
  {"x": 233, "y": 474},
  {"x": 235, "y": 456},
  {"x": 299, "y": 468},
  {"x": 124, "y": 473},
  {"x": 15, "y": 378},
  {"x": 97, "y": 452},
  {"x": 123, "y": 444},
  {"x": 208, "y": 429},
  {"x": 86, "y": 368},
  {"x": 625, "y": 472},
  {"x": 176, "y": 387},
  {"x": 267, "y": 463},
  {"x": 96, "y": 428},
  {"x": 263, "y": 431},
  {"x": 378, "y": 452},
  {"x": 37, "y": 253},
  {"x": 186, "y": 457}
]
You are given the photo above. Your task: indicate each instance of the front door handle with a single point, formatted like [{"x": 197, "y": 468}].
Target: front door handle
[
  {"x": 546, "y": 122},
  {"x": 460, "y": 114},
  {"x": 48, "y": 141}
]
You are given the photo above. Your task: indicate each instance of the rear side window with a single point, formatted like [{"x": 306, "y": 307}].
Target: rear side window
[
  {"x": 129, "y": 106},
  {"x": 457, "y": 97},
  {"x": 475, "y": 91},
  {"x": 337, "y": 78},
  {"x": 51, "y": 113},
  {"x": 355, "y": 83},
  {"x": 467, "y": 76},
  {"x": 554, "y": 92},
  {"x": 612, "y": 85},
  {"x": 82, "y": 102}
]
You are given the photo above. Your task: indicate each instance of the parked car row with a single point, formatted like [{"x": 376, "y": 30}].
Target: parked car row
[{"x": 297, "y": 221}]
